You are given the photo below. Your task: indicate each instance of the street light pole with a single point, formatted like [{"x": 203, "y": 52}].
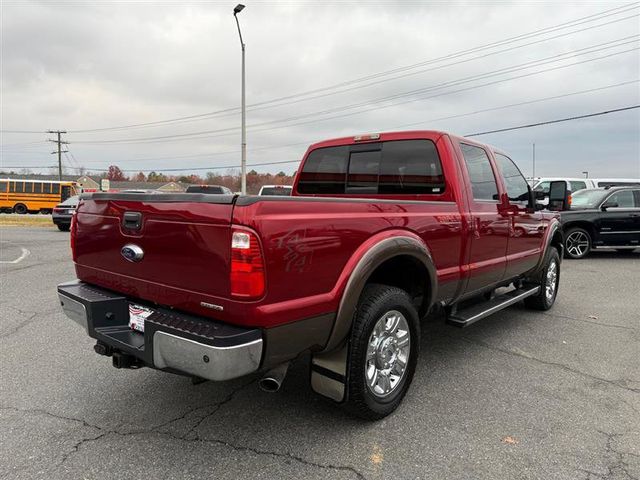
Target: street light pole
[{"x": 243, "y": 163}]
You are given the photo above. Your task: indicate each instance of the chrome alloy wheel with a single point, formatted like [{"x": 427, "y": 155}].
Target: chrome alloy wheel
[
  {"x": 387, "y": 353},
  {"x": 577, "y": 244},
  {"x": 552, "y": 280}
]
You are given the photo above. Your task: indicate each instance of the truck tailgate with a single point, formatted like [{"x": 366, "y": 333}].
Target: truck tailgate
[{"x": 185, "y": 240}]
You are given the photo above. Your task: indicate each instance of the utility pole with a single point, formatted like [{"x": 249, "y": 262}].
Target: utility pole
[
  {"x": 243, "y": 163},
  {"x": 59, "y": 151},
  {"x": 534, "y": 162}
]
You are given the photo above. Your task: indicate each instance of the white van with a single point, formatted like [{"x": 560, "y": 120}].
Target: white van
[{"x": 575, "y": 184}]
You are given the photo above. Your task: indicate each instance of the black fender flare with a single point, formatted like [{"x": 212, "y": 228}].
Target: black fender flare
[{"x": 375, "y": 256}]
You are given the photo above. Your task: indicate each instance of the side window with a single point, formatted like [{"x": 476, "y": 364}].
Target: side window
[
  {"x": 19, "y": 187},
  {"x": 517, "y": 186},
  {"x": 324, "y": 171},
  {"x": 55, "y": 188},
  {"x": 28, "y": 187},
  {"x": 363, "y": 172},
  {"x": 12, "y": 187},
  {"x": 576, "y": 185},
  {"x": 3, "y": 187},
  {"x": 624, "y": 199},
  {"x": 543, "y": 187},
  {"x": 483, "y": 181},
  {"x": 410, "y": 167},
  {"x": 46, "y": 188},
  {"x": 37, "y": 187}
]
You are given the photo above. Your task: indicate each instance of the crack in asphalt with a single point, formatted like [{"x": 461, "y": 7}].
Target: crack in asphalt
[
  {"x": 616, "y": 383},
  {"x": 103, "y": 432},
  {"x": 617, "y": 464},
  {"x": 583, "y": 320},
  {"x": 31, "y": 317}
]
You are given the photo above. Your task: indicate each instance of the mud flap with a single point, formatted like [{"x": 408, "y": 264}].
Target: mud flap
[{"x": 329, "y": 374}]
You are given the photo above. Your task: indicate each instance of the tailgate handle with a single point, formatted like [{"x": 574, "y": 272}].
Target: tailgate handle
[{"x": 132, "y": 220}]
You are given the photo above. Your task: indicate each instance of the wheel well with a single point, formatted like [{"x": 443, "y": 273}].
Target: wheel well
[
  {"x": 409, "y": 274},
  {"x": 584, "y": 225}
]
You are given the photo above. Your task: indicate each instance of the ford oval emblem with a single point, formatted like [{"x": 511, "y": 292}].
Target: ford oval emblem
[{"x": 132, "y": 252}]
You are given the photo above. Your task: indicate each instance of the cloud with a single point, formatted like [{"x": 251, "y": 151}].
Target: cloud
[{"x": 78, "y": 66}]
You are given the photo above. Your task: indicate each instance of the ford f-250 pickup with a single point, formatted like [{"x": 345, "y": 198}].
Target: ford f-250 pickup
[{"x": 380, "y": 231}]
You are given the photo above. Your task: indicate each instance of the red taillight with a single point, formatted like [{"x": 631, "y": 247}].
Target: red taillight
[
  {"x": 72, "y": 235},
  {"x": 58, "y": 210},
  {"x": 247, "y": 265}
]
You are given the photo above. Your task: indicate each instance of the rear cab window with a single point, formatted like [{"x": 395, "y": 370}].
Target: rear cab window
[{"x": 394, "y": 167}]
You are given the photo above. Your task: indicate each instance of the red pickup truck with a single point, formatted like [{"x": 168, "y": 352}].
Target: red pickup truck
[{"x": 380, "y": 231}]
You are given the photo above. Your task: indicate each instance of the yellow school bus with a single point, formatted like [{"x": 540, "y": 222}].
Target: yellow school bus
[{"x": 32, "y": 196}]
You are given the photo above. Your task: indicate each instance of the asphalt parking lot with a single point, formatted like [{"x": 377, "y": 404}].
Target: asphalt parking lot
[{"x": 520, "y": 395}]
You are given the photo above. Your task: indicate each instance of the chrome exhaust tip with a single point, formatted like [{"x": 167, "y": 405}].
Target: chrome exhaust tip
[{"x": 272, "y": 380}]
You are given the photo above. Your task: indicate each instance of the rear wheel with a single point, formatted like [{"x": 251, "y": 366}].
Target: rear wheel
[
  {"x": 63, "y": 228},
  {"x": 20, "y": 208},
  {"x": 384, "y": 347},
  {"x": 548, "y": 279},
  {"x": 577, "y": 243}
]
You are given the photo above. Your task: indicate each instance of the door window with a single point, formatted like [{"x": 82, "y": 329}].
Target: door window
[
  {"x": 624, "y": 199},
  {"x": 517, "y": 186},
  {"x": 577, "y": 185},
  {"x": 483, "y": 181}
]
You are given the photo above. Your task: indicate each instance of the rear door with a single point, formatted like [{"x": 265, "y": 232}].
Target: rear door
[
  {"x": 490, "y": 222},
  {"x": 527, "y": 227}
]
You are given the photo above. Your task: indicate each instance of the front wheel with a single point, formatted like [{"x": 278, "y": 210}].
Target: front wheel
[
  {"x": 577, "y": 243},
  {"x": 384, "y": 347},
  {"x": 549, "y": 280}
]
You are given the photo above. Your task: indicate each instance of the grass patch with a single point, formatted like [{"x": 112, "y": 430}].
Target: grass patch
[{"x": 25, "y": 221}]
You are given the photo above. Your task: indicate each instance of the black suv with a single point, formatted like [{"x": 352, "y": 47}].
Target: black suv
[{"x": 602, "y": 217}]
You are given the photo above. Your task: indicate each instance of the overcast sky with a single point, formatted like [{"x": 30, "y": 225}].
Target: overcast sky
[{"x": 92, "y": 65}]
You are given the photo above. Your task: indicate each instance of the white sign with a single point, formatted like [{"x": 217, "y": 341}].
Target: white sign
[{"x": 104, "y": 185}]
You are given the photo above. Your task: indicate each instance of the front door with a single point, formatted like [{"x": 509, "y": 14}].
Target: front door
[
  {"x": 527, "y": 225},
  {"x": 489, "y": 221},
  {"x": 619, "y": 224}
]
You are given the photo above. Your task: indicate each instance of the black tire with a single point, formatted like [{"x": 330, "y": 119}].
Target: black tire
[
  {"x": 20, "y": 208},
  {"x": 574, "y": 246},
  {"x": 542, "y": 300},
  {"x": 375, "y": 302},
  {"x": 63, "y": 228}
]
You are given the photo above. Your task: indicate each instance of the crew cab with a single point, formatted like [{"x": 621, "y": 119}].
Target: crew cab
[
  {"x": 380, "y": 231},
  {"x": 602, "y": 217}
]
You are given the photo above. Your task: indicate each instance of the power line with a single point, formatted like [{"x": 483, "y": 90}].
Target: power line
[
  {"x": 422, "y": 122},
  {"x": 530, "y": 125},
  {"x": 506, "y": 70},
  {"x": 546, "y": 30},
  {"x": 549, "y": 122}
]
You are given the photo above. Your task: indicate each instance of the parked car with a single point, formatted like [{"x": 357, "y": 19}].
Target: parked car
[
  {"x": 214, "y": 189},
  {"x": 281, "y": 190},
  {"x": 602, "y": 217},
  {"x": 380, "y": 230},
  {"x": 62, "y": 213}
]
